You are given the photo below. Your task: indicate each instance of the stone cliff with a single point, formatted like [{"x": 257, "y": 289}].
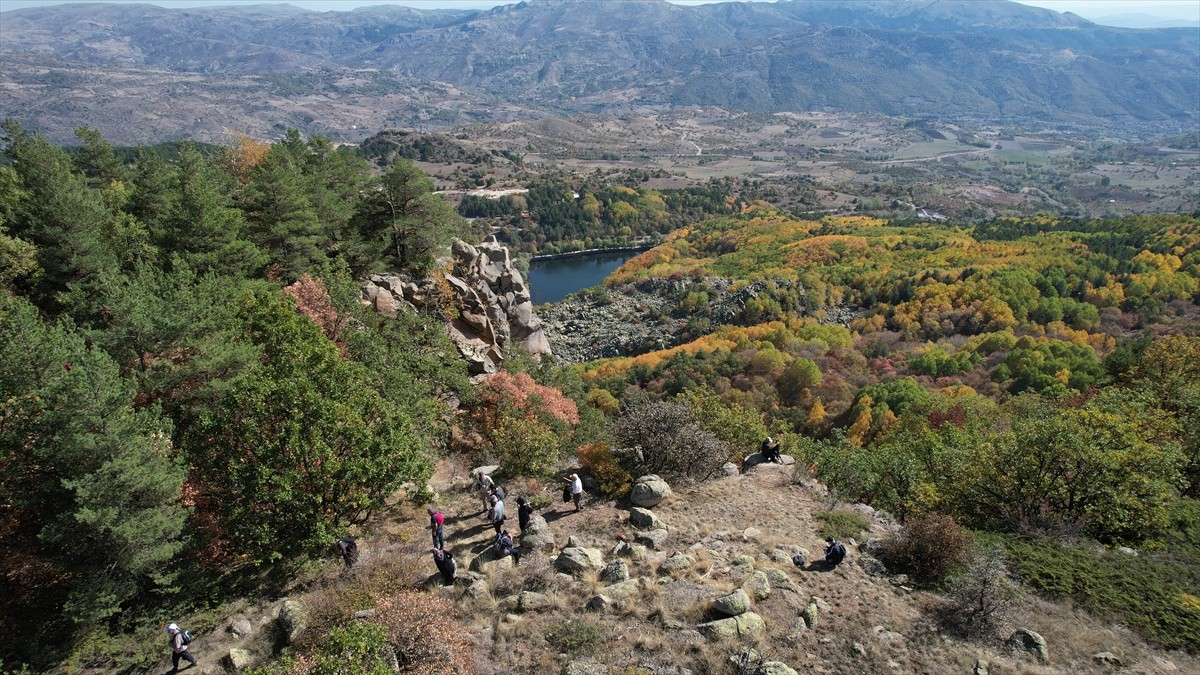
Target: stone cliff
[{"x": 491, "y": 299}]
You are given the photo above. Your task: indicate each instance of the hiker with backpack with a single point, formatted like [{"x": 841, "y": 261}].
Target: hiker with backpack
[
  {"x": 446, "y": 565},
  {"x": 347, "y": 548},
  {"x": 524, "y": 512},
  {"x": 498, "y": 493},
  {"x": 834, "y": 553},
  {"x": 503, "y": 546},
  {"x": 179, "y": 640},
  {"x": 437, "y": 524},
  {"x": 496, "y": 515}
]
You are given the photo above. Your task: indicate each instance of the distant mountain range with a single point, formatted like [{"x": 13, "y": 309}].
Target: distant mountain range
[{"x": 981, "y": 59}]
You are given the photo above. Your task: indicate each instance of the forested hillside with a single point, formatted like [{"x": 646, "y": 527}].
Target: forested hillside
[
  {"x": 190, "y": 391},
  {"x": 194, "y": 402}
]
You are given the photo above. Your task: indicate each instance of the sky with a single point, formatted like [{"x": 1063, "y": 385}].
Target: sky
[{"x": 1186, "y": 10}]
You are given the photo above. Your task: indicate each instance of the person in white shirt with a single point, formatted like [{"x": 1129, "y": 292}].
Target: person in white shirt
[{"x": 576, "y": 486}]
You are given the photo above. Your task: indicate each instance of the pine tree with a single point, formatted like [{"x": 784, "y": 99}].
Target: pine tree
[{"x": 281, "y": 218}]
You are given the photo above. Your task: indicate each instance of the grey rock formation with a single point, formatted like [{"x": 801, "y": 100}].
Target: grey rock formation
[
  {"x": 1030, "y": 641},
  {"x": 644, "y": 519},
  {"x": 649, "y": 491},
  {"x": 493, "y": 303},
  {"x": 743, "y": 625},
  {"x": 733, "y": 604},
  {"x": 575, "y": 561}
]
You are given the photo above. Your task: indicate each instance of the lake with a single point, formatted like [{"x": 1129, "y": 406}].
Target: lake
[{"x": 552, "y": 280}]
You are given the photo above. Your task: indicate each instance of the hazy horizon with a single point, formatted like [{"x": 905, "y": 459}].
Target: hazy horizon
[{"x": 1165, "y": 10}]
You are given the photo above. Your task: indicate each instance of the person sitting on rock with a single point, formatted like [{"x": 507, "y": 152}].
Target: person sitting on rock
[
  {"x": 503, "y": 546},
  {"x": 446, "y": 565},
  {"x": 770, "y": 450}
]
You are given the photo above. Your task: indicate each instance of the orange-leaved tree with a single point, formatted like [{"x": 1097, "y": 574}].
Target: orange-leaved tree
[{"x": 523, "y": 424}]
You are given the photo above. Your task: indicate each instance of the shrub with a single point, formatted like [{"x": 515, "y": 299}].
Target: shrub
[
  {"x": 928, "y": 548},
  {"x": 979, "y": 599},
  {"x": 524, "y": 424},
  {"x": 841, "y": 524},
  {"x": 577, "y": 636},
  {"x": 357, "y": 647},
  {"x": 425, "y": 633},
  {"x": 664, "y": 438},
  {"x": 598, "y": 460}
]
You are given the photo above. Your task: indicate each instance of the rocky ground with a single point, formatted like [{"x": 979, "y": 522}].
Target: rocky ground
[
  {"x": 703, "y": 582},
  {"x": 636, "y": 318}
]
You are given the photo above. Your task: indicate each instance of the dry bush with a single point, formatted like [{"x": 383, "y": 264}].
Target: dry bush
[
  {"x": 980, "y": 600},
  {"x": 665, "y": 438},
  {"x": 425, "y": 632},
  {"x": 928, "y": 548}
]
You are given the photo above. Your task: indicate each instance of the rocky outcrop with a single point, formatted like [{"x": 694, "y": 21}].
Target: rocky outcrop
[
  {"x": 742, "y": 625},
  {"x": 577, "y": 560},
  {"x": 493, "y": 305},
  {"x": 733, "y": 604},
  {"x": 644, "y": 519},
  {"x": 1030, "y": 641}
]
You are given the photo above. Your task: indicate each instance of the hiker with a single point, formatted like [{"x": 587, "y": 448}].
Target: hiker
[
  {"x": 496, "y": 515},
  {"x": 503, "y": 546},
  {"x": 576, "y": 487},
  {"x": 770, "y": 450},
  {"x": 436, "y": 527},
  {"x": 524, "y": 511},
  {"x": 446, "y": 565},
  {"x": 835, "y": 552},
  {"x": 179, "y": 648},
  {"x": 499, "y": 493},
  {"x": 347, "y": 548},
  {"x": 485, "y": 484}
]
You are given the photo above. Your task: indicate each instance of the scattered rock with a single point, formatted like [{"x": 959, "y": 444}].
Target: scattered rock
[
  {"x": 363, "y": 614},
  {"x": 860, "y": 649},
  {"x": 777, "y": 668},
  {"x": 529, "y": 601},
  {"x": 779, "y": 579},
  {"x": 1126, "y": 550},
  {"x": 241, "y": 627},
  {"x": 477, "y": 590},
  {"x": 981, "y": 667},
  {"x": 809, "y": 615},
  {"x": 758, "y": 585},
  {"x": 887, "y": 638},
  {"x": 486, "y": 470},
  {"x": 733, "y": 604},
  {"x": 730, "y": 469},
  {"x": 644, "y": 519},
  {"x": 651, "y": 538},
  {"x": 677, "y": 563},
  {"x": 624, "y": 589},
  {"x": 1107, "y": 659},
  {"x": 872, "y": 566},
  {"x": 1026, "y": 639},
  {"x": 743, "y": 625},
  {"x": 239, "y": 659},
  {"x": 576, "y": 560},
  {"x": 649, "y": 491},
  {"x": 627, "y": 550},
  {"x": 599, "y": 603},
  {"x": 615, "y": 572},
  {"x": 293, "y": 620}
]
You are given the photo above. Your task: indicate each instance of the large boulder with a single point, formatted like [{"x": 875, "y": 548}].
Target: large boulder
[
  {"x": 743, "y": 625},
  {"x": 238, "y": 660},
  {"x": 293, "y": 620},
  {"x": 644, "y": 519},
  {"x": 577, "y": 560},
  {"x": 758, "y": 585},
  {"x": 530, "y": 601},
  {"x": 649, "y": 491},
  {"x": 809, "y": 615},
  {"x": 615, "y": 572},
  {"x": 1032, "y": 642},
  {"x": 651, "y": 538},
  {"x": 678, "y": 563},
  {"x": 537, "y": 536},
  {"x": 488, "y": 560},
  {"x": 733, "y": 604}
]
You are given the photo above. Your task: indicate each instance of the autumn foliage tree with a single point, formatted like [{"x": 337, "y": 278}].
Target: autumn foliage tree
[{"x": 524, "y": 425}]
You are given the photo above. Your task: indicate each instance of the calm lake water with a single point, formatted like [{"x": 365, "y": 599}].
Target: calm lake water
[{"x": 553, "y": 280}]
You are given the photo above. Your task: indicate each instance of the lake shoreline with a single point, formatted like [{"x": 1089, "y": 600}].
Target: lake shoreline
[{"x": 592, "y": 251}]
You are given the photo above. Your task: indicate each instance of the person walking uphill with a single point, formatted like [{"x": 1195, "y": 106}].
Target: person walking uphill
[
  {"x": 179, "y": 648},
  {"x": 576, "y": 487},
  {"x": 496, "y": 515},
  {"x": 484, "y": 484},
  {"x": 437, "y": 524}
]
